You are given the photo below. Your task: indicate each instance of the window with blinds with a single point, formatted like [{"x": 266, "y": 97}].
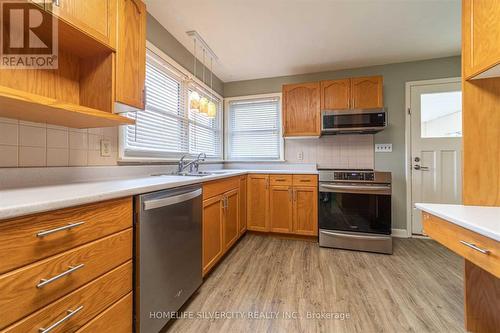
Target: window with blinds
[
  {"x": 253, "y": 129},
  {"x": 167, "y": 128}
]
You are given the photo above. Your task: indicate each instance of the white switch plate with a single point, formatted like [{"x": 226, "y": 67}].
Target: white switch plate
[
  {"x": 105, "y": 148},
  {"x": 300, "y": 155},
  {"x": 383, "y": 147}
]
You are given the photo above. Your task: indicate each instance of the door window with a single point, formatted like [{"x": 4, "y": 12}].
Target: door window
[{"x": 441, "y": 114}]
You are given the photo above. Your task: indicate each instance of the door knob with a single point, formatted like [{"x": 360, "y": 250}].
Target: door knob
[{"x": 418, "y": 167}]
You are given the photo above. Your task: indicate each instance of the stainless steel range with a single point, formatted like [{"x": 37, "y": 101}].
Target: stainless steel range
[{"x": 355, "y": 210}]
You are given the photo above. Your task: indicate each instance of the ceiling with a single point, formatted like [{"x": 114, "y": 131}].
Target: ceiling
[{"x": 267, "y": 38}]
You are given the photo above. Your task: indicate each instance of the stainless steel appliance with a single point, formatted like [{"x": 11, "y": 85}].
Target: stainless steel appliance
[
  {"x": 353, "y": 121},
  {"x": 355, "y": 210},
  {"x": 167, "y": 254}
]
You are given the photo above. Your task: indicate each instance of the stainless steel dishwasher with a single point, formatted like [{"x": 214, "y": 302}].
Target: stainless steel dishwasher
[{"x": 167, "y": 254}]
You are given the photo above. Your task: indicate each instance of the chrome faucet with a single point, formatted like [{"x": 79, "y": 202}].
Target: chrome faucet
[{"x": 193, "y": 165}]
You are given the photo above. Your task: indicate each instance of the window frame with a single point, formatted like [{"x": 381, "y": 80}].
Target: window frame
[
  {"x": 226, "y": 112},
  {"x": 201, "y": 86}
]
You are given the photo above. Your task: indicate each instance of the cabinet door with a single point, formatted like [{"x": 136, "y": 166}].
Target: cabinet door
[
  {"x": 335, "y": 94},
  {"x": 281, "y": 209},
  {"x": 301, "y": 109},
  {"x": 258, "y": 203},
  {"x": 480, "y": 36},
  {"x": 366, "y": 92},
  {"x": 131, "y": 53},
  {"x": 305, "y": 211},
  {"x": 243, "y": 205},
  {"x": 212, "y": 232},
  {"x": 231, "y": 217},
  {"x": 97, "y": 18}
]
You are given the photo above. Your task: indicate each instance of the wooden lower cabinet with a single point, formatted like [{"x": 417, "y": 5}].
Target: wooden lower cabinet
[
  {"x": 281, "y": 209},
  {"x": 116, "y": 319},
  {"x": 243, "y": 205},
  {"x": 93, "y": 298},
  {"x": 230, "y": 218},
  {"x": 258, "y": 202},
  {"x": 221, "y": 219},
  {"x": 291, "y": 208},
  {"x": 212, "y": 232},
  {"x": 305, "y": 210}
]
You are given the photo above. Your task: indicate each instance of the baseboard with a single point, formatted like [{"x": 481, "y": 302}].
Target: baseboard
[{"x": 400, "y": 233}]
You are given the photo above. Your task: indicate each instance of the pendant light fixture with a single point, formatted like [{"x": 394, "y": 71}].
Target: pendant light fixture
[
  {"x": 212, "y": 110},
  {"x": 202, "y": 104},
  {"x": 203, "y": 100},
  {"x": 194, "y": 97}
]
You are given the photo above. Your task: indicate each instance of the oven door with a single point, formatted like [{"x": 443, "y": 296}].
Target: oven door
[{"x": 355, "y": 208}]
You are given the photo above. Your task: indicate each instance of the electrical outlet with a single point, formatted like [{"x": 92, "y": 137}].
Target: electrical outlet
[
  {"x": 105, "y": 148},
  {"x": 383, "y": 147},
  {"x": 300, "y": 155}
]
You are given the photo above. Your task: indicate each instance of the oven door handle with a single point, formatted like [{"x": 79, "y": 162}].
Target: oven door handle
[
  {"x": 355, "y": 187},
  {"x": 336, "y": 234}
]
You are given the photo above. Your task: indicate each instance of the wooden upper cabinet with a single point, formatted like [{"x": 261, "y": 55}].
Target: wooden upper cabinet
[
  {"x": 366, "y": 92},
  {"x": 480, "y": 38},
  {"x": 305, "y": 210},
  {"x": 231, "y": 218},
  {"x": 258, "y": 202},
  {"x": 131, "y": 53},
  {"x": 96, "y": 18},
  {"x": 301, "y": 109},
  {"x": 336, "y": 94}
]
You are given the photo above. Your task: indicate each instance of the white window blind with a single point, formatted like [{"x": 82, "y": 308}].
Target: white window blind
[
  {"x": 167, "y": 128},
  {"x": 254, "y": 129}
]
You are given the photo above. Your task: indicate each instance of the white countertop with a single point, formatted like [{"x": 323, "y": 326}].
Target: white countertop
[
  {"x": 31, "y": 200},
  {"x": 481, "y": 219}
]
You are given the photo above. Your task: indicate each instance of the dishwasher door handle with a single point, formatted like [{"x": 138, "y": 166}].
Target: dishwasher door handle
[{"x": 157, "y": 203}]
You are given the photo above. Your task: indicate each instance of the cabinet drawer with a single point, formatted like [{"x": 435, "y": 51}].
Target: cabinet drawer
[
  {"x": 116, "y": 319},
  {"x": 24, "y": 290},
  {"x": 305, "y": 180},
  {"x": 280, "y": 179},
  {"x": 217, "y": 187},
  {"x": 94, "y": 298},
  {"x": 21, "y": 244},
  {"x": 453, "y": 237}
]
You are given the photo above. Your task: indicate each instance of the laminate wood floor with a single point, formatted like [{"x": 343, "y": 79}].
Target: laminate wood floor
[{"x": 417, "y": 289}]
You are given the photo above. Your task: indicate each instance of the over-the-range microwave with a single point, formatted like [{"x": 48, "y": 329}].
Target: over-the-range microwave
[{"x": 353, "y": 121}]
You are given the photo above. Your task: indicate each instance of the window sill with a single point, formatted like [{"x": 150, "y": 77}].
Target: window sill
[
  {"x": 254, "y": 161},
  {"x": 142, "y": 160}
]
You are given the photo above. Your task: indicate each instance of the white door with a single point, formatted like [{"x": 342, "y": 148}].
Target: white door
[{"x": 436, "y": 145}]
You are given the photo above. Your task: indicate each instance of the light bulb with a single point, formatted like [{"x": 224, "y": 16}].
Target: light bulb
[
  {"x": 212, "y": 110},
  {"x": 203, "y": 105},
  {"x": 194, "y": 103}
]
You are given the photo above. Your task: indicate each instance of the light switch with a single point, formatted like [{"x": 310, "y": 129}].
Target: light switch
[
  {"x": 300, "y": 155},
  {"x": 383, "y": 147},
  {"x": 105, "y": 148}
]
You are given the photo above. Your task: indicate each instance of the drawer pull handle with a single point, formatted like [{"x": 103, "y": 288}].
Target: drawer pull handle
[
  {"x": 71, "y": 269},
  {"x": 66, "y": 227},
  {"x": 305, "y": 180},
  {"x": 70, "y": 314},
  {"x": 473, "y": 246}
]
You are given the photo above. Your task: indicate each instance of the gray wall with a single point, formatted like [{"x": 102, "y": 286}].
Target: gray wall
[
  {"x": 395, "y": 76},
  {"x": 162, "y": 39}
]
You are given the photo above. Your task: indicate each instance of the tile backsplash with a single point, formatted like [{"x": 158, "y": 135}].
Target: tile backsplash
[
  {"x": 334, "y": 151},
  {"x": 26, "y": 144}
]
